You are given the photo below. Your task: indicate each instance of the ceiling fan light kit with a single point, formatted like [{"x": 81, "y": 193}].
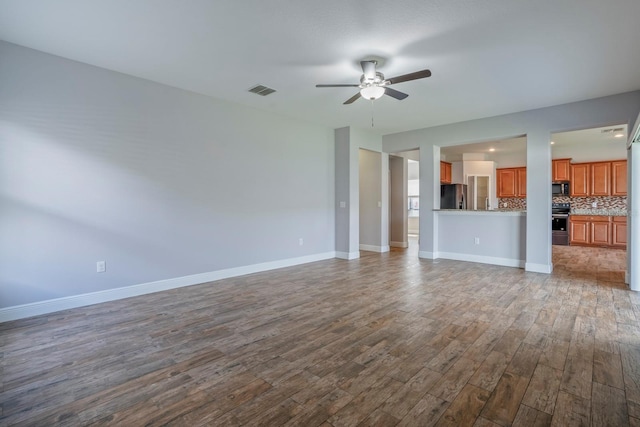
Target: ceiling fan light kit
[{"x": 372, "y": 92}]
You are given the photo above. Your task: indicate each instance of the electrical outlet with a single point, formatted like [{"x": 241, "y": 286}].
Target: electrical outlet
[
  {"x": 300, "y": 241},
  {"x": 594, "y": 204},
  {"x": 505, "y": 204},
  {"x": 101, "y": 266},
  {"x": 476, "y": 240}
]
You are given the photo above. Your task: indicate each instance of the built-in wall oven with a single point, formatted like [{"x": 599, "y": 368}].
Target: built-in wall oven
[{"x": 560, "y": 223}]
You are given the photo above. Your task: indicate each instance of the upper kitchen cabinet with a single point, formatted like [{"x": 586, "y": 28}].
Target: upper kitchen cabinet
[
  {"x": 601, "y": 179},
  {"x": 445, "y": 172},
  {"x": 561, "y": 170},
  {"x": 580, "y": 173},
  {"x": 619, "y": 178},
  {"x": 521, "y": 182},
  {"x": 511, "y": 182},
  {"x": 506, "y": 182}
]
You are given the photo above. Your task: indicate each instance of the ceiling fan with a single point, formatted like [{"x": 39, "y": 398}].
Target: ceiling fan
[{"x": 373, "y": 84}]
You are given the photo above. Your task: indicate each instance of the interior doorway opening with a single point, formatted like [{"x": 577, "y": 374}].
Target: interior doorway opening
[{"x": 404, "y": 199}]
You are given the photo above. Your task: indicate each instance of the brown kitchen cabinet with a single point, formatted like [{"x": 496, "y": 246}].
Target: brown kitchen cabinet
[
  {"x": 592, "y": 230},
  {"x": 580, "y": 174},
  {"x": 619, "y": 231},
  {"x": 445, "y": 172},
  {"x": 561, "y": 170},
  {"x": 578, "y": 232},
  {"x": 619, "y": 178},
  {"x": 511, "y": 182},
  {"x": 521, "y": 182},
  {"x": 600, "y": 179}
]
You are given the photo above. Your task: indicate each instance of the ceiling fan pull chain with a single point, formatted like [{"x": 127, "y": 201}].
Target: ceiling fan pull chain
[{"x": 371, "y": 112}]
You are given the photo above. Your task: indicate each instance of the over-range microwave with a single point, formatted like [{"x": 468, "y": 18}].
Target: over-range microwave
[{"x": 560, "y": 188}]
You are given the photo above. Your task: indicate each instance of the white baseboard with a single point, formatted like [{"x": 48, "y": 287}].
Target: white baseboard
[
  {"x": 427, "y": 255},
  {"x": 399, "y": 244},
  {"x": 348, "y": 255},
  {"x": 372, "y": 248},
  {"x": 74, "y": 301},
  {"x": 539, "y": 268},
  {"x": 505, "y": 262}
]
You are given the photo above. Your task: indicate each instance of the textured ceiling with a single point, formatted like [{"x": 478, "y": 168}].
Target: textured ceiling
[{"x": 487, "y": 57}]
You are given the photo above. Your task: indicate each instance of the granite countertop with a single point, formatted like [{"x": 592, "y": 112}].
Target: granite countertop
[
  {"x": 600, "y": 212},
  {"x": 482, "y": 211}
]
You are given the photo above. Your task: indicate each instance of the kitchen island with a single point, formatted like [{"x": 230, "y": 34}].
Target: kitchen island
[{"x": 491, "y": 237}]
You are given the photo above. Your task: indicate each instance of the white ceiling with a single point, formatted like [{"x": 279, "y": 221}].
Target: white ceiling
[
  {"x": 487, "y": 57},
  {"x": 581, "y": 145}
]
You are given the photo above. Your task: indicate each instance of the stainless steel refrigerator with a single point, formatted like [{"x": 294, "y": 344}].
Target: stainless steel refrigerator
[{"x": 453, "y": 196}]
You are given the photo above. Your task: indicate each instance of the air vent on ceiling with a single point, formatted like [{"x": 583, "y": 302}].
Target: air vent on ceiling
[
  {"x": 612, "y": 130},
  {"x": 261, "y": 90}
]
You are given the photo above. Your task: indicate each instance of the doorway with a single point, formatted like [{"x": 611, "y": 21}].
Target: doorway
[
  {"x": 478, "y": 189},
  {"x": 404, "y": 199}
]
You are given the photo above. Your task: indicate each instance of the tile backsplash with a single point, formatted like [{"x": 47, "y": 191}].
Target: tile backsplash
[
  {"x": 512, "y": 203},
  {"x": 618, "y": 203},
  {"x": 612, "y": 202}
]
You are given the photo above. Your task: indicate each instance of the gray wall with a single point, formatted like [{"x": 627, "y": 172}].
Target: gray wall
[
  {"x": 501, "y": 237},
  {"x": 348, "y": 142},
  {"x": 158, "y": 182},
  {"x": 344, "y": 195}
]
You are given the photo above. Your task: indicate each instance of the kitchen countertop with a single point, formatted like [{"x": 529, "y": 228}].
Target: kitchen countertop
[
  {"x": 508, "y": 212},
  {"x": 599, "y": 212}
]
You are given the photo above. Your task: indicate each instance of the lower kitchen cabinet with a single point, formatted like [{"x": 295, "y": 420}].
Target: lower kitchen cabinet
[
  {"x": 600, "y": 233},
  {"x": 578, "y": 232},
  {"x": 619, "y": 231},
  {"x": 594, "y": 230}
]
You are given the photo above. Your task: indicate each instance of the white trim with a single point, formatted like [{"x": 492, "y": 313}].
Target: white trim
[
  {"x": 372, "y": 248},
  {"x": 539, "y": 268},
  {"x": 399, "y": 244},
  {"x": 74, "y": 301},
  {"x": 427, "y": 255},
  {"x": 634, "y": 135},
  {"x": 348, "y": 255},
  {"x": 505, "y": 262}
]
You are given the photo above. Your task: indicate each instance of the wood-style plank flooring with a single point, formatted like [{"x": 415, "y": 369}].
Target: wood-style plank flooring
[{"x": 384, "y": 340}]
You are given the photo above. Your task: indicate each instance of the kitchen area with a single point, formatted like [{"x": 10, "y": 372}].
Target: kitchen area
[
  {"x": 589, "y": 203},
  {"x": 589, "y": 188},
  {"x": 589, "y": 195}
]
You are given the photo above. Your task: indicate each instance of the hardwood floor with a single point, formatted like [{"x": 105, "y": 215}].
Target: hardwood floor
[{"x": 384, "y": 340}]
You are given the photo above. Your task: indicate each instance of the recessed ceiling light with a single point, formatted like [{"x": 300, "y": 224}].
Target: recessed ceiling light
[
  {"x": 618, "y": 135},
  {"x": 552, "y": 142},
  {"x": 492, "y": 149}
]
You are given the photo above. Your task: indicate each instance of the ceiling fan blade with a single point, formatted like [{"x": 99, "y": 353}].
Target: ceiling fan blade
[
  {"x": 369, "y": 69},
  {"x": 337, "y": 85},
  {"x": 411, "y": 76},
  {"x": 395, "y": 93},
  {"x": 352, "y": 99}
]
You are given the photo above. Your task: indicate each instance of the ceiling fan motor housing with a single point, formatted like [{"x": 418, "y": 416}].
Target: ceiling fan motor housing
[{"x": 378, "y": 80}]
